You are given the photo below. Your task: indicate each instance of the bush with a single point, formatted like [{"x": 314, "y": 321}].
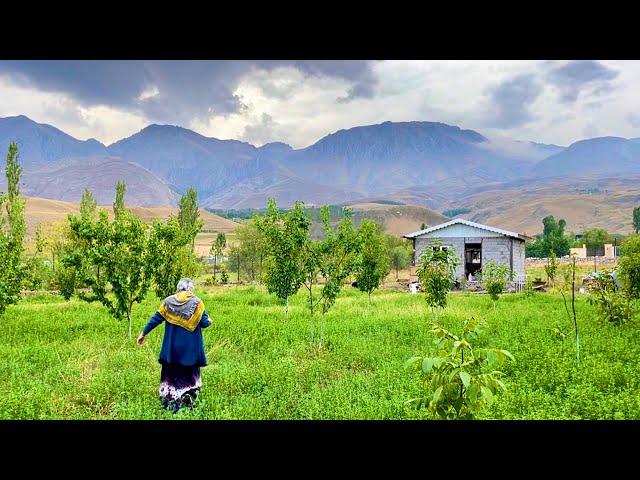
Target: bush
[
  {"x": 629, "y": 267},
  {"x": 460, "y": 381},
  {"x": 494, "y": 277},
  {"x": 613, "y": 305},
  {"x": 224, "y": 273}
]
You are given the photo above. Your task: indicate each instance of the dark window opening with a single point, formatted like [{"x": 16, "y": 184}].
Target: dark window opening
[{"x": 472, "y": 259}]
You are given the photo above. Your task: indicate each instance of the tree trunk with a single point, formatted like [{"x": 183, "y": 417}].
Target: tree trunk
[
  {"x": 215, "y": 260},
  {"x": 573, "y": 307},
  {"x": 286, "y": 307},
  {"x": 238, "y": 268}
]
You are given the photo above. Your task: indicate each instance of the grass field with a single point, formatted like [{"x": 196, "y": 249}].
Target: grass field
[{"x": 70, "y": 360}]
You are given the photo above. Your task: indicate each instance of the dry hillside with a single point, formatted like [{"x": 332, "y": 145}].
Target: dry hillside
[
  {"x": 46, "y": 211},
  {"x": 398, "y": 219}
]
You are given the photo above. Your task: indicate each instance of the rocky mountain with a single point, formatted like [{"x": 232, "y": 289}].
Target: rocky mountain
[
  {"x": 427, "y": 164},
  {"x": 187, "y": 159},
  {"x": 40, "y": 143},
  {"x": 596, "y": 156},
  {"x": 67, "y": 179}
]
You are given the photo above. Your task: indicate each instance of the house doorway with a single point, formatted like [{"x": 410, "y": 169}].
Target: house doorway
[{"x": 472, "y": 259}]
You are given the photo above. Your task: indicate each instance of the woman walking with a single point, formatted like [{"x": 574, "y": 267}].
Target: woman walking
[{"x": 182, "y": 352}]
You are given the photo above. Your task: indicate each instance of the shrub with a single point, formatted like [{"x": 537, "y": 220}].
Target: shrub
[
  {"x": 436, "y": 273},
  {"x": 494, "y": 277},
  {"x": 613, "y": 305},
  {"x": 460, "y": 381}
]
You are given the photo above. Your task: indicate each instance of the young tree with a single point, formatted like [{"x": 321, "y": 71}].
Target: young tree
[
  {"x": 373, "y": 263},
  {"x": 169, "y": 256},
  {"x": 553, "y": 237},
  {"x": 118, "y": 205},
  {"x": 217, "y": 249},
  {"x": 339, "y": 255},
  {"x": 636, "y": 219},
  {"x": 436, "y": 272},
  {"x": 118, "y": 271},
  {"x": 595, "y": 238},
  {"x": 400, "y": 253},
  {"x": 252, "y": 249},
  {"x": 286, "y": 235},
  {"x": 551, "y": 268},
  {"x": 12, "y": 230},
  {"x": 569, "y": 273},
  {"x": 494, "y": 277},
  {"x": 189, "y": 216},
  {"x": 461, "y": 379},
  {"x": 629, "y": 267},
  {"x": 34, "y": 268},
  {"x": 88, "y": 202}
]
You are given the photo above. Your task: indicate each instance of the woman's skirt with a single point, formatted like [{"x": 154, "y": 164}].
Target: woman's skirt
[{"x": 179, "y": 385}]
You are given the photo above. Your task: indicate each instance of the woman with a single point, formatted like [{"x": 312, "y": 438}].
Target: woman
[{"x": 182, "y": 352}]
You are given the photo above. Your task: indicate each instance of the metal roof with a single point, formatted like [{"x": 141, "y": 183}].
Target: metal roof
[{"x": 457, "y": 221}]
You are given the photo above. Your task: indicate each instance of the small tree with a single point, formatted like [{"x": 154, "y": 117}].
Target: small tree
[
  {"x": 629, "y": 267},
  {"x": 494, "y": 279},
  {"x": 613, "y": 305},
  {"x": 189, "y": 217},
  {"x": 373, "y": 263},
  {"x": 169, "y": 256},
  {"x": 339, "y": 255},
  {"x": 286, "y": 235},
  {"x": 88, "y": 202},
  {"x": 636, "y": 219},
  {"x": 400, "y": 257},
  {"x": 117, "y": 269},
  {"x": 437, "y": 273},
  {"x": 460, "y": 380},
  {"x": 217, "y": 249},
  {"x": 551, "y": 268},
  {"x": 569, "y": 273},
  {"x": 34, "y": 269},
  {"x": 12, "y": 230}
]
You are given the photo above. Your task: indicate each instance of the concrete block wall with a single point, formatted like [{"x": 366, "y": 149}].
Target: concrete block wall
[{"x": 456, "y": 243}]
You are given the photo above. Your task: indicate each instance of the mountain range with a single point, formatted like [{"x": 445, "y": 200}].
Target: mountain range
[{"x": 427, "y": 164}]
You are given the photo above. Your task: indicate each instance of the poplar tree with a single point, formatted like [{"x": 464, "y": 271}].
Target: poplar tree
[
  {"x": 12, "y": 230},
  {"x": 189, "y": 216}
]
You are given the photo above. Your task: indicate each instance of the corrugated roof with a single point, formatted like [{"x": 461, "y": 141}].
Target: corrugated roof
[{"x": 457, "y": 221}]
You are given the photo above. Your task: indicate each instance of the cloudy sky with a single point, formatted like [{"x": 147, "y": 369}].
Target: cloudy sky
[{"x": 299, "y": 102}]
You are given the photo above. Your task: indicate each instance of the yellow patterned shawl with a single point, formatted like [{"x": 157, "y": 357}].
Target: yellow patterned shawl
[{"x": 182, "y": 309}]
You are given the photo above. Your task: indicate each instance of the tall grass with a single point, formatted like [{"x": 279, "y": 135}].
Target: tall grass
[{"x": 70, "y": 360}]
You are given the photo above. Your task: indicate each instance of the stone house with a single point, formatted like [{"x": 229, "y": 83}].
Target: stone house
[{"x": 474, "y": 244}]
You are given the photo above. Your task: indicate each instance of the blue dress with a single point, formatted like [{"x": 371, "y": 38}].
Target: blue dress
[{"x": 181, "y": 356}]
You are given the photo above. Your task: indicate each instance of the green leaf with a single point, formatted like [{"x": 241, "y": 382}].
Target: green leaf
[
  {"x": 427, "y": 364},
  {"x": 466, "y": 379},
  {"x": 437, "y": 394},
  {"x": 487, "y": 395},
  {"x": 508, "y": 354},
  {"x": 412, "y": 361}
]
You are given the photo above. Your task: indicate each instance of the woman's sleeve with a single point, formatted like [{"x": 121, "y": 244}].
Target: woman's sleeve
[
  {"x": 153, "y": 322},
  {"x": 205, "y": 321}
]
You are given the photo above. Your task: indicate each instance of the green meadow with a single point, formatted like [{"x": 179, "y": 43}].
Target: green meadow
[{"x": 71, "y": 360}]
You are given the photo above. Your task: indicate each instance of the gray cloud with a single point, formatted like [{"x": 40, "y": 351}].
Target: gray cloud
[
  {"x": 510, "y": 101},
  {"x": 571, "y": 78},
  {"x": 186, "y": 89},
  {"x": 261, "y": 133}
]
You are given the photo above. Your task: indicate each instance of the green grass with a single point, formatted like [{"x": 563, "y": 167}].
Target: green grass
[{"x": 70, "y": 360}]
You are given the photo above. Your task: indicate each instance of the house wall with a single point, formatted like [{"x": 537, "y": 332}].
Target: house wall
[{"x": 456, "y": 243}]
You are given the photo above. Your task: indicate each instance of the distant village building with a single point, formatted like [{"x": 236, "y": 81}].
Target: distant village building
[{"x": 474, "y": 244}]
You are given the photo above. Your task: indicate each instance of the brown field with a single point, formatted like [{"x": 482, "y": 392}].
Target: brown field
[{"x": 46, "y": 212}]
